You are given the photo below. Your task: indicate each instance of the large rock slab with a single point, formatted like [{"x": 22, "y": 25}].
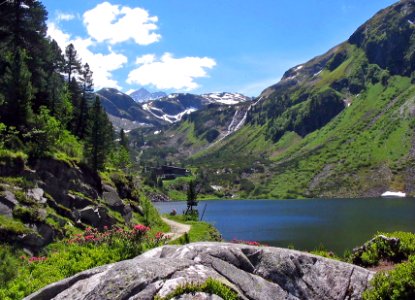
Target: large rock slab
[{"x": 254, "y": 272}]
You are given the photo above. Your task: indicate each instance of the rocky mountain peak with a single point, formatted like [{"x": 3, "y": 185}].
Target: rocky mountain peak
[{"x": 143, "y": 95}]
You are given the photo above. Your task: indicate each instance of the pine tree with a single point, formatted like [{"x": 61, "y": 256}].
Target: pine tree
[
  {"x": 72, "y": 62},
  {"x": 87, "y": 97},
  {"x": 191, "y": 196},
  {"x": 23, "y": 53},
  {"x": 123, "y": 139},
  {"x": 17, "y": 90},
  {"x": 99, "y": 138},
  {"x": 55, "y": 82},
  {"x": 75, "y": 99}
]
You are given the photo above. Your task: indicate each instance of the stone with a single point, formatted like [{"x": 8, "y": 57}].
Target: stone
[
  {"x": 252, "y": 272},
  {"x": 76, "y": 201},
  {"x": 37, "y": 195},
  {"x": 7, "y": 202},
  {"x": 110, "y": 196},
  {"x": 95, "y": 216}
]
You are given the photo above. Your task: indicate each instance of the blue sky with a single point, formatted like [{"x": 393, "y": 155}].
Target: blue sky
[{"x": 201, "y": 46}]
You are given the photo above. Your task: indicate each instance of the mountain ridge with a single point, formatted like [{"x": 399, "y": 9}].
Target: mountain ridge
[
  {"x": 339, "y": 125},
  {"x": 125, "y": 112}
]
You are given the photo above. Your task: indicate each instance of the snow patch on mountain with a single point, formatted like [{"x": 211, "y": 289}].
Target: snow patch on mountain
[{"x": 226, "y": 98}]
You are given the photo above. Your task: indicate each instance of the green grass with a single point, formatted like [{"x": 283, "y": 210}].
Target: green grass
[
  {"x": 210, "y": 286},
  {"x": 199, "y": 231},
  {"x": 8, "y": 225}
]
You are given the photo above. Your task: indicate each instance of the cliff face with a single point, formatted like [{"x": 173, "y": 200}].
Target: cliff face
[
  {"x": 253, "y": 272},
  {"x": 41, "y": 201}
]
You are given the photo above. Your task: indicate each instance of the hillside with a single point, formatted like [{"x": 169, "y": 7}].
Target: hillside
[
  {"x": 197, "y": 131},
  {"x": 339, "y": 125}
]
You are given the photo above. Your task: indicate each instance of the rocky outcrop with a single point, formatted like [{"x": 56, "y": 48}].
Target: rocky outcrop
[
  {"x": 252, "y": 272},
  {"x": 75, "y": 195}
]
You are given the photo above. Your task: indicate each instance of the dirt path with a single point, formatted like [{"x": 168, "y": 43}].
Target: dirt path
[{"x": 177, "y": 229}]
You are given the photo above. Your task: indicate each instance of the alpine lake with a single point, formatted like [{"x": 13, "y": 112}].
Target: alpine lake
[{"x": 337, "y": 224}]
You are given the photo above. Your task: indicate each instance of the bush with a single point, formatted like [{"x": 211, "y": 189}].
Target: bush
[
  {"x": 379, "y": 248},
  {"x": 397, "y": 284}
]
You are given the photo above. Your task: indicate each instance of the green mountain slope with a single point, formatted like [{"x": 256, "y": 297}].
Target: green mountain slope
[{"x": 339, "y": 125}]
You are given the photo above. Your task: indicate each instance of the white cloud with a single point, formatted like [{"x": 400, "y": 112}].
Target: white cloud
[
  {"x": 101, "y": 64},
  {"x": 58, "y": 35},
  {"x": 130, "y": 91},
  {"x": 116, "y": 24},
  {"x": 145, "y": 59},
  {"x": 60, "y": 16},
  {"x": 169, "y": 72}
]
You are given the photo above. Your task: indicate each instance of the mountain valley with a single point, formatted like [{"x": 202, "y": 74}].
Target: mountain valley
[{"x": 339, "y": 125}]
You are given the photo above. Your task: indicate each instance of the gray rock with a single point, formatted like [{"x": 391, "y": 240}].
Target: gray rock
[
  {"x": 43, "y": 236},
  {"x": 5, "y": 210},
  {"x": 37, "y": 195},
  {"x": 252, "y": 272},
  {"x": 96, "y": 216},
  {"x": 7, "y": 202},
  {"x": 110, "y": 196},
  {"x": 76, "y": 201}
]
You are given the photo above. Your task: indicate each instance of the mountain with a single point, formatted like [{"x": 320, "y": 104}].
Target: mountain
[
  {"x": 126, "y": 113},
  {"x": 339, "y": 125},
  {"x": 123, "y": 111},
  {"x": 173, "y": 107},
  {"x": 197, "y": 131},
  {"x": 142, "y": 95}
]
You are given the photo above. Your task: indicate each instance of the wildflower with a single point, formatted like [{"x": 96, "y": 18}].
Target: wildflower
[
  {"x": 141, "y": 228},
  {"x": 159, "y": 235},
  {"x": 89, "y": 237}
]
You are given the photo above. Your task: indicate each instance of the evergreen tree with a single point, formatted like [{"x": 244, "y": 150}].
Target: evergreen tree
[
  {"x": 23, "y": 27},
  {"x": 99, "y": 137},
  {"x": 72, "y": 62},
  {"x": 55, "y": 82},
  {"x": 76, "y": 99},
  {"x": 23, "y": 53},
  {"x": 123, "y": 139},
  {"x": 17, "y": 90},
  {"x": 87, "y": 97},
  {"x": 191, "y": 196}
]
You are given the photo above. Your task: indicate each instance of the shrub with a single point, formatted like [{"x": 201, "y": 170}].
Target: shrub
[
  {"x": 395, "y": 247},
  {"x": 397, "y": 284}
]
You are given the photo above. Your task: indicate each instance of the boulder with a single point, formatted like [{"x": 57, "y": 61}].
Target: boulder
[
  {"x": 44, "y": 235},
  {"x": 7, "y": 202},
  {"x": 253, "y": 272},
  {"x": 37, "y": 195},
  {"x": 96, "y": 216},
  {"x": 111, "y": 198}
]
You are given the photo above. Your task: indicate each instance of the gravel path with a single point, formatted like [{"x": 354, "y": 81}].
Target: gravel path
[{"x": 177, "y": 229}]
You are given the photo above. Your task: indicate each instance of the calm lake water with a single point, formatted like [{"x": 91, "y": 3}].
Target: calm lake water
[{"x": 338, "y": 224}]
